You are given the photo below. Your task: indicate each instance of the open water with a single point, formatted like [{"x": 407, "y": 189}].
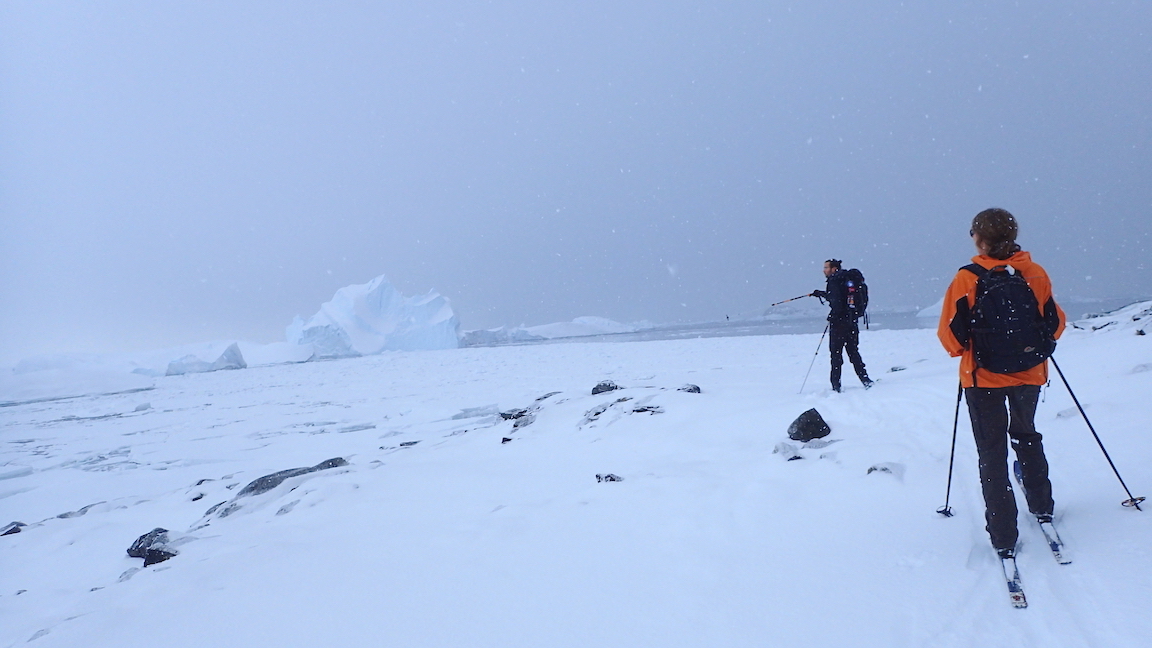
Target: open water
[{"x": 1074, "y": 310}]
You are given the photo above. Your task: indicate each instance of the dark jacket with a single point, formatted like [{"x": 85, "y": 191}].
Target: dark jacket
[{"x": 837, "y": 297}]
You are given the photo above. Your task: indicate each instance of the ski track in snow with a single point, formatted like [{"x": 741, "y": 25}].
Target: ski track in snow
[{"x": 440, "y": 534}]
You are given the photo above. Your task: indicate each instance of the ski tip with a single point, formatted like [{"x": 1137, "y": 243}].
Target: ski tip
[
  {"x": 1016, "y": 595},
  {"x": 1012, "y": 575}
]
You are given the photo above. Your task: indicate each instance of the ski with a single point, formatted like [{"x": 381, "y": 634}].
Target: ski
[
  {"x": 1055, "y": 544},
  {"x": 1015, "y": 587}
]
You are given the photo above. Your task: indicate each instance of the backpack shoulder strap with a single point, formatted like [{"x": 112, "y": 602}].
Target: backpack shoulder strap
[{"x": 976, "y": 269}]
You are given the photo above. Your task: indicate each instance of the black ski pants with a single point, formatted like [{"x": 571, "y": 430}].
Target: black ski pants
[
  {"x": 845, "y": 336},
  {"x": 993, "y": 424}
]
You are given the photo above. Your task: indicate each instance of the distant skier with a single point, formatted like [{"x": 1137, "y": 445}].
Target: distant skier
[
  {"x": 1003, "y": 329},
  {"x": 847, "y": 296}
]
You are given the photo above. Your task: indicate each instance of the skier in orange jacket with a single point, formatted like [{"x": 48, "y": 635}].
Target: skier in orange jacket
[{"x": 994, "y": 234}]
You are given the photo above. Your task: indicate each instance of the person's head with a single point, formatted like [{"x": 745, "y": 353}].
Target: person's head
[
  {"x": 831, "y": 266},
  {"x": 994, "y": 233}
]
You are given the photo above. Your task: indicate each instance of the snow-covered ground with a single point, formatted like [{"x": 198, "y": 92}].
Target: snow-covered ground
[{"x": 440, "y": 533}]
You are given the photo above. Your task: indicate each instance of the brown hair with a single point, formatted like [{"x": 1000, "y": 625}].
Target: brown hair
[{"x": 997, "y": 229}]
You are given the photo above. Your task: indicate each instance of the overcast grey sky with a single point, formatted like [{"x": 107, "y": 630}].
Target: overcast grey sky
[{"x": 178, "y": 172}]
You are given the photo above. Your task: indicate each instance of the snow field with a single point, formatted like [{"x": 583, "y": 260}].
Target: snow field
[{"x": 461, "y": 540}]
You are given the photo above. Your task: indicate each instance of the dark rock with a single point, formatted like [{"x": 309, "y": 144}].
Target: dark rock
[
  {"x": 505, "y": 440},
  {"x": 77, "y": 513},
  {"x": 155, "y": 536},
  {"x": 152, "y": 547},
  {"x": 690, "y": 388},
  {"x": 158, "y": 554},
  {"x": 595, "y": 412},
  {"x": 809, "y": 425},
  {"x": 268, "y": 482},
  {"x": 604, "y": 386},
  {"x": 408, "y": 444},
  {"x": 522, "y": 417},
  {"x": 648, "y": 409},
  {"x": 526, "y": 416},
  {"x": 12, "y": 527},
  {"x": 334, "y": 462},
  {"x": 889, "y": 467},
  {"x": 896, "y": 368},
  {"x": 608, "y": 478}
]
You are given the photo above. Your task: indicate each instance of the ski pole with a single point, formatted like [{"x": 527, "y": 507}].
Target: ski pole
[
  {"x": 1133, "y": 502},
  {"x": 788, "y": 300},
  {"x": 813, "y": 357},
  {"x": 946, "y": 510}
]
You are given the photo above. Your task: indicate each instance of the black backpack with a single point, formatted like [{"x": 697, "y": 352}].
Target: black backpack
[
  {"x": 855, "y": 293},
  {"x": 1007, "y": 330}
]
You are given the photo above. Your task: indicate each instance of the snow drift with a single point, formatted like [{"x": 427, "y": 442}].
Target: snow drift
[
  {"x": 366, "y": 319},
  {"x": 1133, "y": 317}
]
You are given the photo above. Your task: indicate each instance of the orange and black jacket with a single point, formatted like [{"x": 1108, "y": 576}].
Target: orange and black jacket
[{"x": 956, "y": 315}]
